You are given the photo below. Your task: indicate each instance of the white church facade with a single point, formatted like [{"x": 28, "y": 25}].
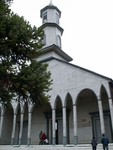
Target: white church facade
[{"x": 81, "y": 102}]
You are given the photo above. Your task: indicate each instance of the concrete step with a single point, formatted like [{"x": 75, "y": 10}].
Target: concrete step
[{"x": 50, "y": 147}]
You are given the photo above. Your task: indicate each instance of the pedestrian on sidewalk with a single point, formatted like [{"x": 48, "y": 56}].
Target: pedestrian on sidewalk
[
  {"x": 94, "y": 143},
  {"x": 40, "y": 138},
  {"x": 105, "y": 142}
]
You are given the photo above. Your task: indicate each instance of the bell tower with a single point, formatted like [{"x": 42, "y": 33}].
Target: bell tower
[
  {"x": 52, "y": 49},
  {"x": 50, "y": 15}
]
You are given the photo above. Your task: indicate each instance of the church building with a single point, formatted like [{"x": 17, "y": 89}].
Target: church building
[{"x": 81, "y": 101}]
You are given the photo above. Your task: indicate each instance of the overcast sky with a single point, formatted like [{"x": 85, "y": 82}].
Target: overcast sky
[{"x": 88, "y": 30}]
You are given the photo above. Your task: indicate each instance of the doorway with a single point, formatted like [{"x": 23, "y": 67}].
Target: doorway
[
  {"x": 96, "y": 126},
  {"x": 59, "y": 131}
]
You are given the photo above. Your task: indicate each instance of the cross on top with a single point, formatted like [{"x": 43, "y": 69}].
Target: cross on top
[{"x": 50, "y": 2}]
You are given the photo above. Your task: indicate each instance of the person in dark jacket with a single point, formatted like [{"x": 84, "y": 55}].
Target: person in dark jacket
[
  {"x": 94, "y": 143},
  {"x": 40, "y": 138},
  {"x": 104, "y": 142}
]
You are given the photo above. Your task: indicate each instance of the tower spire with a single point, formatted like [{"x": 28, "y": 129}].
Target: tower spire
[
  {"x": 50, "y": 2},
  {"x": 50, "y": 23}
]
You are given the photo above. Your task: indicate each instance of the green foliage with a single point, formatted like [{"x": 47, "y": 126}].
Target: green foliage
[
  {"x": 19, "y": 73},
  {"x": 33, "y": 82}
]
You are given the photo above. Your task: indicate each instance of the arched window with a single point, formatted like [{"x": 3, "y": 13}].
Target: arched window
[
  {"x": 44, "y": 40},
  {"x": 58, "y": 41},
  {"x": 45, "y": 17},
  {"x": 57, "y": 18}
]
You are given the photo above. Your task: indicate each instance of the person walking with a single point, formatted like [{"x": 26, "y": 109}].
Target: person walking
[
  {"x": 105, "y": 142},
  {"x": 40, "y": 137},
  {"x": 94, "y": 143}
]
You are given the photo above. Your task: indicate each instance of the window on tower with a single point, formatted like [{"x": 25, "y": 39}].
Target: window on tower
[
  {"x": 57, "y": 18},
  {"x": 45, "y": 17},
  {"x": 58, "y": 41},
  {"x": 44, "y": 40}
]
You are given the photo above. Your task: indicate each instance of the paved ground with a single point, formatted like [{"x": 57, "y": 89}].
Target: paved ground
[{"x": 50, "y": 147}]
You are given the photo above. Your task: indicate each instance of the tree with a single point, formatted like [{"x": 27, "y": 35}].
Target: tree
[
  {"x": 20, "y": 74},
  {"x": 32, "y": 82}
]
